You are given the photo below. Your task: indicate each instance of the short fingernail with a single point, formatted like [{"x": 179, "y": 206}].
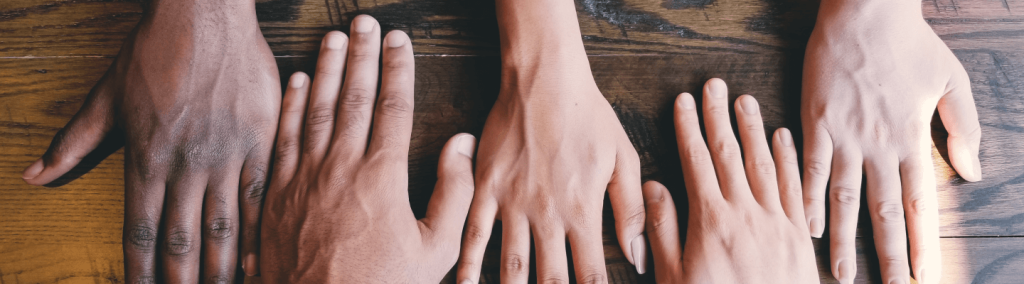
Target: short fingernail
[
  {"x": 396, "y": 40},
  {"x": 639, "y": 247},
  {"x": 335, "y": 40},
  {"x": 717, "y": 88},
  {"x": 466, "y": 281},
  {"x": 298, "y": 79},
  {"x": 363, "y": 24},
  {"x": 844, "y": 273},
  {"x": 467, "y": 143},
  {"x": 785, "y": 137},
  {"x": 686, "y": 101},
  {"x": 920, "y": 277},
  {"x": 33, "y": 170},
  {"x": 897, "y": 281},
  {"x": 250, "y": 265},
  {"x": 816, "y": 227},
  {"x": 750, "y": 105}
]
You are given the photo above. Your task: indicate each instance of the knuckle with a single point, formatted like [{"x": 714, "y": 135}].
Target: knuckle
[
  {"x": 593, "y": 277},
  {"x": 817, "y": 168},
  {"x": 696, "y": 155},
  {"x": 726, "y": 149},
  {"x": 763, "y": 166},
  {"x": 515, "y": 264},
  {"x": 142, "y": 235},
  {"x": 662, "y": 226},
  {"x": 394, "y": 105},
  {"x": 218, "y": 279},
  {"x": 397, "y": 63},
  {"x": 145, "y": 279},
  {"x": 919, "y": 205},
  {"x": 635, "y": 217},
  {"x": 845, "y": 195},
  {"x": 179, "y": 242},
  {"x": 554, "y": 279},
  {"x": 256, "y": 188},
  {"x": 475, "y": 235},
  {"x": 220, "y": 229},
  {"x": 319, "y": 115},
  {"x": 356, "y": 98},
  {"x": 890, "y": 212}
]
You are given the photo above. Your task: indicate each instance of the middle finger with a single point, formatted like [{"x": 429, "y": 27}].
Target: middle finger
[
  {"x": 725, "y": 152},
  {"x": 355, "y": 109},
  {"x": 885, "y": 202}
]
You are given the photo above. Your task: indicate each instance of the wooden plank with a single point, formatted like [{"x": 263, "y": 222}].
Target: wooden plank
[
  {"x": 39, "y": 28},
  {"x": 454, "y": 95}
]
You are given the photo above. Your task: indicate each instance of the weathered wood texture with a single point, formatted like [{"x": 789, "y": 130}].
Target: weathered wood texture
[{"x": 644, "y": 52}]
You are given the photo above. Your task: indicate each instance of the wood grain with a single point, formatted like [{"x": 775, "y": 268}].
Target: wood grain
[
  {"x": 39, "y": 28},
  {"x": 643, "y": 53}
]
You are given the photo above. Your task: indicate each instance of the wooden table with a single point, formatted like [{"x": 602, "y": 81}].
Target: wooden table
[{"x": 642, "y": 52}]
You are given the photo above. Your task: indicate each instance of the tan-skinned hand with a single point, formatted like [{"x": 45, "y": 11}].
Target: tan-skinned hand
[
  {"x": 746, "y": 222},
  {"x": 551, "y": 147},
  {"x": 874, "y": 74},
  {"x": 195, "y": 93},
  {"x": 338, "y": 206}
]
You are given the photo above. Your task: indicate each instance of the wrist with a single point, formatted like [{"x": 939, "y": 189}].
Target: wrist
[
  {"x": 857, "y": 14},
  {"x": 233, "y": 17},
  {"x": 539, "y": 33}
]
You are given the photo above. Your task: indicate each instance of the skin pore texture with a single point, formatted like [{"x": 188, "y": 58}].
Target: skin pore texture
[
  {"x": 337, "y": 210},
  {"x": 746, "y": 221},
  {"x": 874, "y": 74},
  {"x": 195, "y": 93},
  {"x": 550, "y": 148}
]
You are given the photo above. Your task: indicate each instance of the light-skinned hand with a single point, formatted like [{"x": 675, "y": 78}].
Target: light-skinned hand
[
  {"x": 338, "y": 206},
  {"x": 874, "y": 74},
  {"x": 746, "y": 222}
]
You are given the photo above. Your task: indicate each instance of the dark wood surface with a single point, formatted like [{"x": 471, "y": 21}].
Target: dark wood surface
[{"x": 643, "y": 53}]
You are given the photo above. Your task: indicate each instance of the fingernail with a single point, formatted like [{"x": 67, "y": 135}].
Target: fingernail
[
  {"x": 250, "y": 266},
  {"x": 363, "y": 24},
  {"x": 33, "y": 170},
  {"x": 816, "y": 227},
  {"x": 686, "y": 102},
  {"x": 335, "y": 40},
  {"x": 896, "y": 281},
  {"x": 467, "y": 143},
  {"x": 466, "y": 281},
  {"x": 298, "y": 79},
  {"x": 920, "y": 277},
  {"x": 639, "y": 246},
  {"x": 717, "y": 88},
  {"x": 785, "y": 137},
  {"x": 396, "y": 40},
  {"x": 844, "y": 273},
  {"x": 750, "y": 105}
]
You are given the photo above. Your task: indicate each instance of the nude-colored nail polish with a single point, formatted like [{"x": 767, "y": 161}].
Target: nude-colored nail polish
[
  {"x": 298, "y": 79},
  {"x": 396, "y": 40},
  {"x": 33, "y": 170},
  {"x": 785, "y": 137},
  {"x": 816, "y": 227},
  {"x": 639, "y": 247},
  {"x": 363, "y": 24},
  {"x": 750, "y": 106}
]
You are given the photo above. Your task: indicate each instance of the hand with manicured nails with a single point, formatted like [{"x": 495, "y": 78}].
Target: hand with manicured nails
[
  {"x": 551, "y": 147},
  {"x": 873, "y": 76},
  {"x": 746, "y": 222},
  {"x": 195, "y": 93},
  {"x": 338, "y": 206}
]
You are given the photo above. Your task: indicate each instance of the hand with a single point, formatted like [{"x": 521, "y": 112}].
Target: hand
[
  {"x": 873, "y": 76},
  {"x": 746, "y": 225},
  {"x": 197, "y": 108},
  {"x": 338, "y": 206},
  {"x": 550, "y": 148}
]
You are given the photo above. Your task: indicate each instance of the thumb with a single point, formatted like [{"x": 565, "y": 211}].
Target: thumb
[
  {"x": 77, "y": 139},
  {"x": 446, "y": 213},
  {"x": 956, "y": 108},
  {"x": 624, "y": 191}
]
